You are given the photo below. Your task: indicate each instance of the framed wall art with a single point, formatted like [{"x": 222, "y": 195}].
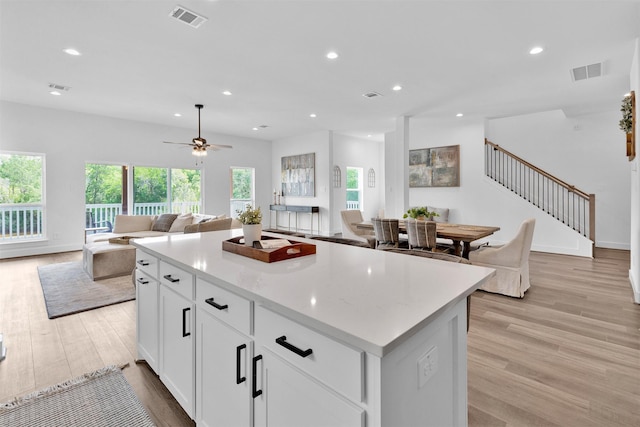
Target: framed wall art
[
  {"x": 299, "y": 175},
  {"x": 435, "y": 167}
]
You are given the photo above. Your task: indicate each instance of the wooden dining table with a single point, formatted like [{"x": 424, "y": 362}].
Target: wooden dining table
[{"x": 461, "y": 234}]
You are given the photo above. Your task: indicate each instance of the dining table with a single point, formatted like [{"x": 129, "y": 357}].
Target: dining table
[{"x": 461, "y": 234}]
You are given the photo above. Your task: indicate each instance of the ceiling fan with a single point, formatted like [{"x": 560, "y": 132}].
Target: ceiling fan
[{"x": 199, "y": 144}]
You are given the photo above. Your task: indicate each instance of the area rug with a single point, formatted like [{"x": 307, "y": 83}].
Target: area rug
[
  {"x": 97, "y": 399},
  {"x": 68, "y": 289}
]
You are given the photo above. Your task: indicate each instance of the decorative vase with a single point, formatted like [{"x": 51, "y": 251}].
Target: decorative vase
[{"x": 252, "y": 233}]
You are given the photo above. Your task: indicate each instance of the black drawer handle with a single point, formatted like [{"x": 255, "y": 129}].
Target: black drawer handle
[
  {"x": 143, "y": 262},
  {"x": 239, "y": 349},
  {"x": 255, "y": 393},
  {"x": 302, "y": 353},
  {"x": 184, "y": 322},
  {"x": 215, "y": 304},
  {"x": 143, "y": 281},
  {"x": 171, "y": 279}
]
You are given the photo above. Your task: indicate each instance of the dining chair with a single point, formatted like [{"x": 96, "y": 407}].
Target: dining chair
[
  {"x": 387, "y": 232},
  {"x": 422, "y": 235},
  {"x": 350, "y": 218},
  {"x": 511, "y": 262}
]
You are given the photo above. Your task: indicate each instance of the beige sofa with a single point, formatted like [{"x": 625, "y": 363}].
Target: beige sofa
[{"x": 152, "y": 225}]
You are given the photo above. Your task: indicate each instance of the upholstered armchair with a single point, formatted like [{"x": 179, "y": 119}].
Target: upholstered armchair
[
  {"x": 511, "y": 262},
  {"x": 349, "y": 230}
]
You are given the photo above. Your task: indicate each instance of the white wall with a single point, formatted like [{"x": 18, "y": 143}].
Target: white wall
[
  {"x": 586, "y": 151},
  {"x": 318, "y": 143},
  {"x": 331, "y": 149},
  {"x": 634, "y": 272},
  {"x": 360, "y": 153},
  {"x": 479, "y": 200},
  {"x": 69, "y": 140}
]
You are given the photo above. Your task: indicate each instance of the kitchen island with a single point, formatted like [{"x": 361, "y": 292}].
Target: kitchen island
[{"x": 347, "y": 336}]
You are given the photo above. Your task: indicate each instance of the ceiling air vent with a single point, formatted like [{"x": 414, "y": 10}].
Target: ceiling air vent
[
  {"x": 187, "y": 16},
  {"x": 58, "y": 87},
  {"x": 263, "y": 126},
  {"x": 586, "y": 72},
  {"x": 371, "y": 94}
]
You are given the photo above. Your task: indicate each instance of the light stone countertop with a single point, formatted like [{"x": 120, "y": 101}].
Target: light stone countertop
[{"x": 372, "y": 300}]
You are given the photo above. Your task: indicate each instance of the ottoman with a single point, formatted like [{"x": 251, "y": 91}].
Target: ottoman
[{"x": 103, "y": 259}]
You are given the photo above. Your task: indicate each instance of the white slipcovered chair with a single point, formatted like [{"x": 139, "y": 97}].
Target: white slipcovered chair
[
  {"x": 349, "y": 230},
  {"x": 511, "y": 262}
]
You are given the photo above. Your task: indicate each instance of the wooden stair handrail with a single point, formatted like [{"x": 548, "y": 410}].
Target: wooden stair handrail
[
  {"x": 570, "y": 188},
  {"x": 560, "y": 182}
]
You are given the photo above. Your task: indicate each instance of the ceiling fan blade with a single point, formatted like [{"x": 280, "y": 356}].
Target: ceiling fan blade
[
  {"x": 217, "y": 146},
  {"x": 177, "y": 143}
]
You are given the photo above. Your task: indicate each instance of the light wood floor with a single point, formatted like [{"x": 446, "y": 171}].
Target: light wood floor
[{"x": 568, "y": 354}]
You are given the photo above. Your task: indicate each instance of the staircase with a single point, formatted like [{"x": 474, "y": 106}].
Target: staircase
[{"x": 573, "y": 207}]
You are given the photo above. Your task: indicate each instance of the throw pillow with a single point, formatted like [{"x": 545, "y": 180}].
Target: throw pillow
[
  {"x": 181, "y": 222},
  {"x": 164, "y": 221}
]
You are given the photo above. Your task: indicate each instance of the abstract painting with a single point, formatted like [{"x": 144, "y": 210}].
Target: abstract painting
[
  {"x": 435, "y": 167},
  {"x": 298, "y": 175}
]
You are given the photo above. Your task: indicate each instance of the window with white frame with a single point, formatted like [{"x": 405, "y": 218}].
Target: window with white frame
[
  {"x": 242, "y": 191},
  {"x": 22, "y": 197},
  {"x": 354, "y": 188}
]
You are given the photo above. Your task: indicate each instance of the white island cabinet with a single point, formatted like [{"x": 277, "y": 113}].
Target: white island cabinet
[{"x": 348, "y": 336}]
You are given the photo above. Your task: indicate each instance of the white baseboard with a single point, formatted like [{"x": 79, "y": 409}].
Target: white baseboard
[{"x": 635, "y": 287}]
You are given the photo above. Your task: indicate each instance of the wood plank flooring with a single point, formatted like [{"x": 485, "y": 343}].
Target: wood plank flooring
[{"x": 568, "y": 354}]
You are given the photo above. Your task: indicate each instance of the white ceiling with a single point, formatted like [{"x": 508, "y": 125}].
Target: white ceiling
[{"x": 471, "y": 57}]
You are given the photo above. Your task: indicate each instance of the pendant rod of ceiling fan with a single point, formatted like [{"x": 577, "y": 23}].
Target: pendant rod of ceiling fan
[{"x": 199, "y": 107}]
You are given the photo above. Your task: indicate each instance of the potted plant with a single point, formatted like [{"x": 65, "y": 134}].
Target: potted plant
[
  {"x": 421, "y": 213},
  {"x": 251, "y": 220}
]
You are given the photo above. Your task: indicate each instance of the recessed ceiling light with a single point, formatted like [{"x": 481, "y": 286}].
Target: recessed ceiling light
[
  {"x": 536, "y": 50},
  {"x": 72, "y": 52},
  {"x": 332, "y": 55},
  {"x": 178, "y": 115},
  {"x": 369, "y": 136},
  {"x": 55, "y": 92},
  {"x": 313, "y": 115},
  {"x": 255, "y": 128},
  {"x": 397, "y": 87},
  {"x": 459, "y": 115},
  {"x": 226, "y": 92}
]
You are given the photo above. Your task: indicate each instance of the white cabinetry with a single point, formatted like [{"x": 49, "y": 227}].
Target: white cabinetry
[
  {"x": 223, "y": 356},
  {"x": 147, "y": 308},
  {"x": 303, "y": 377},
  {"x": 176, "y": 335}
]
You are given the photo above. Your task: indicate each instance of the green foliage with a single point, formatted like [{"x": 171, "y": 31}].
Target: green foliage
[
  {"x": 352, "y": 179},
  {"x": 242, "y": 183},
  {"x": 185, "y": 185},
  {"x": 626, "y": 124},
  {"x": 20, "y": 178},
  {"x": 420, "y": 211},
  {"x": 149, "y": 185},
  {"x": 103, "y": 184},
  {"x": 250, "y": 215}
]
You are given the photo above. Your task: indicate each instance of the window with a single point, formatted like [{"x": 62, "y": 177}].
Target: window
[
  {"x": 354, "y": 188},
  {"x": 242, "y": 189},
  {"x": 159, "y": 190},
  {"x": 103, "y": 195},
  {"x": 21, "y": 197}
]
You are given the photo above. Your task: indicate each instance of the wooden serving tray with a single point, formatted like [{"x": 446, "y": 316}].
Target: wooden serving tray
[{"x": 295, "y": 250}]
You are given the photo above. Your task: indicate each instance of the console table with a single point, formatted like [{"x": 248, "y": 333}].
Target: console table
[{"x": 296, "y": 209}]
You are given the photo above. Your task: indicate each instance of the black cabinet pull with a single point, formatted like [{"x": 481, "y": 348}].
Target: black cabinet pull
[
  {"x": 143, "y": 281},
  {"x": 143, "y": 262},
  {"x": 216, "y": 305},
  {"x": 255, "y": 393},
  {"x": 171, "y": 279},
  {"x": 239, "y": 349},
  {"x": 184, "y": 322},
  {"x": 302, "y": 353}
]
